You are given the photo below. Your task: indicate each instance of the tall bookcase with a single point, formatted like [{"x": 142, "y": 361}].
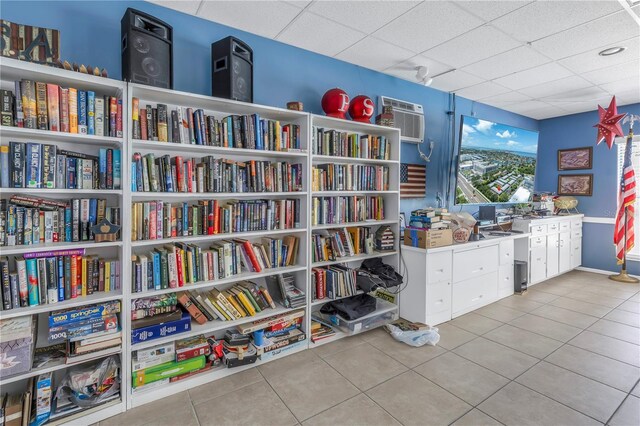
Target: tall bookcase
[
  {"x": 219, "y": 108},
  {"x": 391, "y": 197},
  {"x": 125, "y": 248},
  {"x": 14, "y": 70}
]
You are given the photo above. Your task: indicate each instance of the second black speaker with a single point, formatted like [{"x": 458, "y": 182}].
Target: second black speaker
[{"x": 232, "y": 70}]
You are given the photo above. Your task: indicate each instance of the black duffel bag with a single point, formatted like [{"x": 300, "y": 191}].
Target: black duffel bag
[
  {"x": 385, "y": 272},
  {"x": 351, "y": 308}
]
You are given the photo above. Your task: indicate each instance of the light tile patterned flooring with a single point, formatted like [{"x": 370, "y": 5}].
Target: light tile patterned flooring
[{"x": 565, "y": 353}]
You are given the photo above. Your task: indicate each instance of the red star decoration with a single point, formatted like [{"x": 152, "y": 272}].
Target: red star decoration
[{"x": 609, "y": 124}]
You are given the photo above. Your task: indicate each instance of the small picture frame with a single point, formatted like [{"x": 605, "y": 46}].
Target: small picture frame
[
  {"x": 575, "y": 158},
  {"x": 403, "y": 221},
  {"x": 581, "y": 185}
]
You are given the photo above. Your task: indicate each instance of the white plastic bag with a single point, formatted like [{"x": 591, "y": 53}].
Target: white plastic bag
[{"x": 428, "y": 336}]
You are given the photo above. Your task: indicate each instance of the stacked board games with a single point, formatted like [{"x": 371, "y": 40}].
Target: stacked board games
[{"x": 157, "y": 316}]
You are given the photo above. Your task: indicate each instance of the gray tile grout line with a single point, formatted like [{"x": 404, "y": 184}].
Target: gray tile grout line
[{"x": 278, "y": 395}]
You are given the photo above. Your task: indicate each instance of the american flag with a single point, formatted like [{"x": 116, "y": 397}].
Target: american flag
[
  {"x": 626, "y": 205},
  {"x": 413, "y": 180}
]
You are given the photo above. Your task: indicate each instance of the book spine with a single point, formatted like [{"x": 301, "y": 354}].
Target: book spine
[
  {"x": 119, "y": 118},
  {"x": 32, "y": 282},
  {"x": 113, "y": 112},
  {"x": 99, "y": 115},
  {"x": 65, "y": 123},
  {"x": 17, "y": 152},
  {"x": 135, "y": 118},
  {"x": 19, "y": 109},
  {"x": 6, "y": 285},
  {"x": 7, "y": 108},
  {"x": 48, "y": 166},
  {"x": 73, "y": 110},
  {"x": 162, "y": 123},
  {"x": 41, "y": 106},
  {"x": 53, "y": 104},
  {"x": 34, "y": 162},
  {"x": 82, "y": 112},
  {"x": 91, "y": 113}
]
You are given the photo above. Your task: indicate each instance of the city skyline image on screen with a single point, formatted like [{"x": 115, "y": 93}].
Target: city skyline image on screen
[{"x": 496, "y": 163}]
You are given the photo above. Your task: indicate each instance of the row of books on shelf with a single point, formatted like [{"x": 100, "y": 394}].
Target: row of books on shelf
[
  {"x": 343, "y": 144},
  {"x": 47, "y": 106},
  {"x": 171, "y": 362},
  {"x": 350, "y": 177},
  {"x": 333, "y": 282},
  {"x": 346, "y": 209},
  {"x": 192, "y": 126},
  {"x": 167, "y": 174},
  {"x": 157, "y": 219},
  {"x": 179, "y": 264},
  {"x": 26, "y": 220},
  {"x": 35, "y": 165},
  {"x": 332, "y": 244},
  {"x": 55, "y": 276}
]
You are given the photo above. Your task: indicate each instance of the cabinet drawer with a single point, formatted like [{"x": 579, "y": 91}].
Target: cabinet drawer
[
  {"x": 538, "y": 230},
  {"x": 576, "y": 233},
  {"x": 553, "y": 227},
  {"x": 439, "y": 267},
  {"x": 438, "y": 298},
  {"x": 565, "y": 225},
  {"x": 576, "y": 224},
  {"x": 471, "y": 263},
  {"x": 474, "y": 292},
  {"x": 537, "y": 242},
  {"x": 506, "y": 252},
  {"x": 505, "y": 277}
]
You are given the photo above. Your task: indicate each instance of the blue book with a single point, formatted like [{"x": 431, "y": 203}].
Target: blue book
[
  {"x": 4, "y": 166},
  {"x": 68, "y": 223},
  {"x": 134, "y": 187},
  {"x": 257, "y": 132},
  {"x": 102, "y": 167},
  {"x": 156, "y": 270},
  {"x": 185, "y": 219},
  {"x": 33, "y": 284},
  {"x": 144, "y": 334},
  {"x": 33, "y": 162},
  {"x": 197, "y": 128},
  {"x": 230, "y": 132},
  {"x": 117, "y": 169},
  {"x": 93, "y": 215},
  {"x": 60, "y": 278},
  {"x": 71, "y": 173},
  {"x": 82, "y": 112},
  {"x": 91, "y": 113}
]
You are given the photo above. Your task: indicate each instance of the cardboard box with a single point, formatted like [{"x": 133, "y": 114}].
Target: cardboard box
[{"x": 425, "y": 238}]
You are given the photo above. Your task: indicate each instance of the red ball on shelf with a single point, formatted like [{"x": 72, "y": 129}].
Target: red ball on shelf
[
  {"x": 361, "y": 109},
  {"x": 335, "y": 103}
]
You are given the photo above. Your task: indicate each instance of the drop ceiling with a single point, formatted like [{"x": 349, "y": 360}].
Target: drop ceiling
[{"x": 536, "y": 58}]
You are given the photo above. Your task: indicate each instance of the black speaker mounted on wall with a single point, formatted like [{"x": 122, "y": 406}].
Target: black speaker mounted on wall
[
  {"x": 147, "y": 50},
  {"x": 232, "y": 70}
]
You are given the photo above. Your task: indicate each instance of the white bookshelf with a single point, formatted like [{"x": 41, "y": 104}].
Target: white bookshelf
[
  {"x": 219, "y": 108},
  {"x": 13, "y": 70},
  {"x": 391, "y": 202}
]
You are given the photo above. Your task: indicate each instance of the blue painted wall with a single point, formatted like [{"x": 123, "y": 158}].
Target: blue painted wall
[
  {"x": 90, "y": 33},
  {"x": 574, "y": 131}
]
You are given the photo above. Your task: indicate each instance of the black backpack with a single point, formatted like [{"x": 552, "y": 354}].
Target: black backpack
[{"x": 385, "y": 272}]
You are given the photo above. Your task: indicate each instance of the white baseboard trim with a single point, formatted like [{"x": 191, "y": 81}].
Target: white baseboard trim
[
  {"x": 600, "y": 271},
  {"x": 600, "y": 220}
]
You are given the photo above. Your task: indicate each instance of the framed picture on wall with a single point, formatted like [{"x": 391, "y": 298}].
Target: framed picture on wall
[
  {"x": 575, "y": 158},
  {"x": 575, "y": 184}
]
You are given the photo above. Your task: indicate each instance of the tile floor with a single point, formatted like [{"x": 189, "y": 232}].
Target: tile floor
[{"x": 565, "y": 353}]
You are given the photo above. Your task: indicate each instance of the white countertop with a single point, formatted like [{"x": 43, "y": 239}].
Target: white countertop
[{"x": 486, "y": 241}]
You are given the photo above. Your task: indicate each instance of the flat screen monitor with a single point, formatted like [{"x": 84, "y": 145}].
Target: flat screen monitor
[{"x": 496, "y": 163}]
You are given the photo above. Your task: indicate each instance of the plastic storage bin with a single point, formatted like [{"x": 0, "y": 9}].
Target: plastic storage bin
[
  {"x": 16, "y": 345},
  {"x": 385, "y": 313}
]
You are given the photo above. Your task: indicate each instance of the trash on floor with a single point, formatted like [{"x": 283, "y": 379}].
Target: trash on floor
[{"x": 413, "y": 333}]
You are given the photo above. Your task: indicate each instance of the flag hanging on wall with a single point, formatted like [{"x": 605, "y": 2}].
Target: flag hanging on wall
[
  {"x": 413, "y": 180},
  {"x": 626, "y": 206}
]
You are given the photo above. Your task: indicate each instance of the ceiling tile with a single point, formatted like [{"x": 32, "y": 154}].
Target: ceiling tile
[
  {"x": 614, "y": 73},
  {"x": 407, "y": 69},
  {"x": 532, "y": 76},
  {"x": 298, "y": 3},
  {"x": 549, "y": 88},
  {"x": 628, "y": 97},
  {"x": 482, "y": 90},
  {"x": 588, "y": 94},
  {"x": 454, "y": 81},
  {"x": 622, "y": 86},
  {"x": 601, "y": 32},
  {"x": 477, "y": 44},
  {"x": 506, "y": 98},
  {"x": 515, "y": 60},
  {"x": 265, "y": 18},
  {"x": 535, "y": 109},
  {"x": 318, "y": 34},
  {"x": 365, "y": 16},
  {"x": 552, "y": 17},
  {"x": 428, "y": 25},
  {"x": 490, "y": 10},
  {"x": 590, "y": 60},
  {"x": 184, "y": 6},
  {"x": 374, "y": 54}
]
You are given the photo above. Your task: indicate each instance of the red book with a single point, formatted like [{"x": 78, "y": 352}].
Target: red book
[
  {"x": 64, "y": 110},
  {"x": 143, "y": 126},
  {"x": 179, "y": 267},
  {"x": 74, "y": 277},
  {"x": 319, "y": 273},
  {"x": 216, "y": 217},
  {"x": 207, "y": 367},
  {"x": 79, "y": 275},
  {"x": 196, "y": 314},
  {"x": 53, "y": 106},
  {"x": 248, "y": 248},
  {"x": 113, "y": 112},
  {"x": 189, "y": 177},
  {"x": 119, "y": 118},
  {"x": 210, "y": 263},
  {"x": 179, "y": 173}
]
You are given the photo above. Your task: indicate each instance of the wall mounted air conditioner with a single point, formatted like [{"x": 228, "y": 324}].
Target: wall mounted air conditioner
[{"x": 407, "y": 117}]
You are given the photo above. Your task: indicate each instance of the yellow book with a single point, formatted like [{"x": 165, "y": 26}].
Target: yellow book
[
  {"x": 134, "y": 222},
  {"x": 73, "y": 110},
  {"x": 84, "y": 276},
  {"x": 235, "y": 304},
  {"x": 190, "y": 273},
  {"x": 184, "y": 266},
  {"x": 107, "y": 276},
  {"x": 278, "y": 133},
  {"x": 222, "y": 311},
  {"x": 225, "y": 304},
  {"x": 245, "y": 302}
]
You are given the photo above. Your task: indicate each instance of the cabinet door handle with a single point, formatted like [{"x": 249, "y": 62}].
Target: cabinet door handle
[
  {"x": 439, "y": 301},
  {"x": 440, "y": 270},
  {"x": 477, "y": 270},
  {"x": 476, "y": 298}
]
